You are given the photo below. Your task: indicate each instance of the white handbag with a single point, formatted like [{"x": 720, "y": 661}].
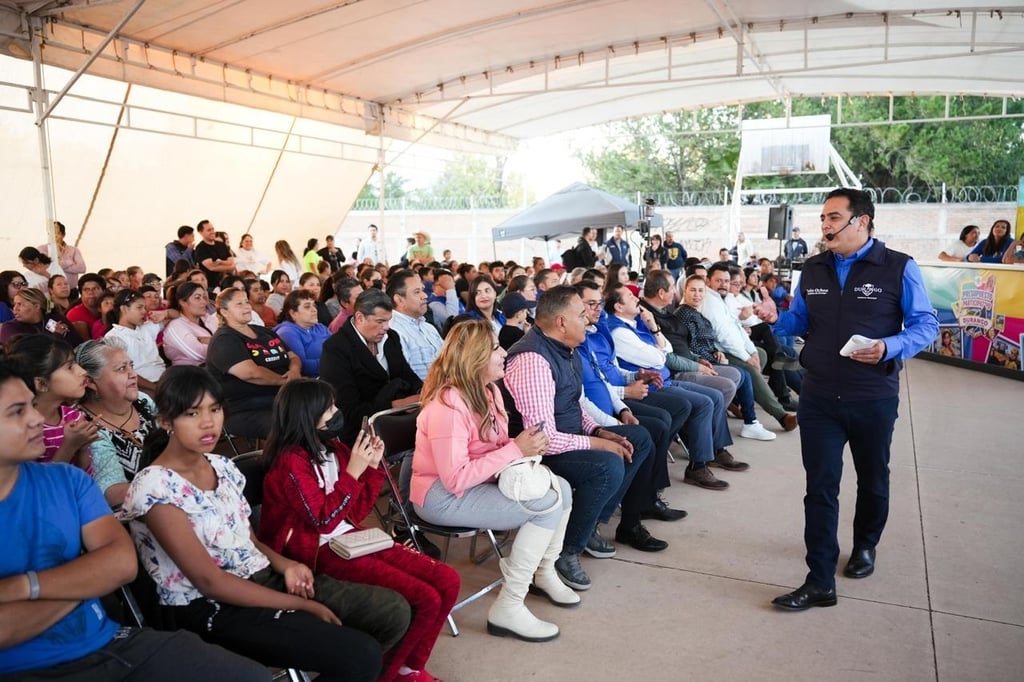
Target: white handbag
[{"x": 526, "y": 480}]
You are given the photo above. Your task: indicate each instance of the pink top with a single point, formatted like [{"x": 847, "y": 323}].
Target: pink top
[
  {"x": 449, "y": 447},
  {"x": 339, "y": 321},
  {"x": 53, "y": 437}
]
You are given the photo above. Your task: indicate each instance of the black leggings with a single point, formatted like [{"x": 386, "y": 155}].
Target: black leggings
[{"x": 286, "y": 639}]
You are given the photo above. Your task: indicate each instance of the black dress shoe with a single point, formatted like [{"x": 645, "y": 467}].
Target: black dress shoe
[
  {"x": 639, "y": 538},
  {"x": 806, "y": 596},
  {"x": 660, "y": 511},
  {"x": 861, "y": 563}
]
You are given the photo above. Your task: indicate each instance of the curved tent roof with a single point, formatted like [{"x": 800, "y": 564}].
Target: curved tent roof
[{"x": 479, "y": 75}]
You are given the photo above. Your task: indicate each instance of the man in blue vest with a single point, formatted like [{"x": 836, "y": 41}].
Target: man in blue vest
[
  {"x": 604, "y": 465},
  {"x": 851, "y": 390},
  {"x": 617, "y": 249}
]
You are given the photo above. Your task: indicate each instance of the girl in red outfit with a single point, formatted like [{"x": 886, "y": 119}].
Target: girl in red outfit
[{"x": 316, "y": 489}]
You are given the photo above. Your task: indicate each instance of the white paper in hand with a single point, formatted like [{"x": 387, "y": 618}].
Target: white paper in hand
[{"x": 856, "y": 342}]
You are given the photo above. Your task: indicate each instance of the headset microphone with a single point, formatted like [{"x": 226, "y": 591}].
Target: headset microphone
[{"x": 832, "y": 235}]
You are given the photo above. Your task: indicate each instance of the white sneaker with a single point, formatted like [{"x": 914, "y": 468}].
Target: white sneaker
[{"x": 756, "y": 431}]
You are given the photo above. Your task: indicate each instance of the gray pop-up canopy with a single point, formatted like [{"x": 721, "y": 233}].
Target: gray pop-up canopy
[{"x": 568, "y": 211}]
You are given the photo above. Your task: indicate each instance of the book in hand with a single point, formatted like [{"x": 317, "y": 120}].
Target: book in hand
[{"x": 357, "y": 543}]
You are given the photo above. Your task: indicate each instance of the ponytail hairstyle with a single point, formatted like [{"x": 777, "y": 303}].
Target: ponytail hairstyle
[
  {"x": 295, "y": 417},
  {"x": 40, "y": 355},
  {"x": 180, "y": 389}
]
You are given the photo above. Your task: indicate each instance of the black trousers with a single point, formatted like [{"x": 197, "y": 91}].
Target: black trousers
[{"x": 826, "y": 426}]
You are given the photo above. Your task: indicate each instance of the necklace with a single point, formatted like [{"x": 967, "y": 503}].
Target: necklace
[{"x": 119, "y": 427}]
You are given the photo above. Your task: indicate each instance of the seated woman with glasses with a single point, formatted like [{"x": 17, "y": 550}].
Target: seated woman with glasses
[
  {"x": 32, "y": 315},
  {"x": 127, "y": 322},
  {"x": 11, "y": 282},
  {"x": 462, "y": 442}
]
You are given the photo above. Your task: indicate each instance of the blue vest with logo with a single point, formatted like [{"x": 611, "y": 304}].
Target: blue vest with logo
[
  {"x": 566, "y": 372},
  {"x": 594, "y": 374},
  {"x": 645, "y": 335},
  {"x": 870, "y": 305}
]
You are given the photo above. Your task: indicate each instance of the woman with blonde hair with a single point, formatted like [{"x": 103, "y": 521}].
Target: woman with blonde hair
[
  {"x": 287, "y": 260},
  {"x": 32, "y": 315},
  {"x": 462, "y": 442}
]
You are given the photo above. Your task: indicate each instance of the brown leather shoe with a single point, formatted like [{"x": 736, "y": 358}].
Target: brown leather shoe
[
  {"x": 725, "y": 460},
  {"x": 704, "y": 478},
  {"x": 735, "y": 411},
  {"x": 788, "y": 421}
]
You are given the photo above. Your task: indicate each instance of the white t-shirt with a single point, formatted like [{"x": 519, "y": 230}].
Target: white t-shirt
[
  {"x": 250, "y": 259},
  {"x": 140, "y": 344},
  {"x": 957, "y": 249}
]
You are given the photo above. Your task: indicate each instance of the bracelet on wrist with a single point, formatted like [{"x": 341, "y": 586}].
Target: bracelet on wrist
[{"x": 33, "y": 585}]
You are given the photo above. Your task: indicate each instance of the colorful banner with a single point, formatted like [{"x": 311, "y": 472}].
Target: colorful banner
[{"x": 981, "y": 313}]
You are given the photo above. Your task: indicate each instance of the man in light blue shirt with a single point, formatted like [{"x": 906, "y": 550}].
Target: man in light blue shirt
[{"x": 421, "y": 341}]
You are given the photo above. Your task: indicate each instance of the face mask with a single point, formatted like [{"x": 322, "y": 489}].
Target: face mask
[{"x": 332, "y": 429}]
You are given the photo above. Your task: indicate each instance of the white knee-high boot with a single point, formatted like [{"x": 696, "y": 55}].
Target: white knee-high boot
[
  {"x": 546, "y": 580},
  {"x": 509, "y": 615}
]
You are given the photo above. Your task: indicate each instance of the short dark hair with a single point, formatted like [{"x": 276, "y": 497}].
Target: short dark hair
[
  {"x": 593, "y": 273},
  {"x": 587, "y": 284},
  {"x": 656, "y": 281},
  {"x": 860, "y": 203},
  {"x": 344, "y": 286},
  {"x": 719, "y": 267},
  {"x": 497, "y": 264},
  {"x": 202, "y": 223},
  {"x": 538, "y": 277},
  {"x": 554, "y": 301},
  {"x": 185, "y": 230},
  {"x": 613, "y": 296},
  {"x": 14, "y": 368},
  {"x": 371, "y": 299},
  {"x": 90, "y": 277},
  {"x": 587, "y": 230},
  {"x": 397, "y": 283}
]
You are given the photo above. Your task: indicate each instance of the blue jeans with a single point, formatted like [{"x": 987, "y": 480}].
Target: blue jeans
[
  {"x": 826, "y": 426},
  {"x": 600, "y": 481}
]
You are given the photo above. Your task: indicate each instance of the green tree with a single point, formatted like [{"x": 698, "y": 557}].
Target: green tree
[{"x": 394, "y": 188}]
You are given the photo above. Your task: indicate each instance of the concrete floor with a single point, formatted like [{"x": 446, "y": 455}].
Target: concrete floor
[{"x": 946, "y": 602}]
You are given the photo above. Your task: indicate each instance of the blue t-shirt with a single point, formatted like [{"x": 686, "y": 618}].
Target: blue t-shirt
[{"x": 42, "y": 521}]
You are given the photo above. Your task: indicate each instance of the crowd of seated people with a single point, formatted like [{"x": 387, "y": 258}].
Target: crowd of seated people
[{"x": 135, "y": 387}]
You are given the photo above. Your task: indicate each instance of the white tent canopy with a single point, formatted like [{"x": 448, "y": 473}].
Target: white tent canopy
[{"x": 482, "y": 74}]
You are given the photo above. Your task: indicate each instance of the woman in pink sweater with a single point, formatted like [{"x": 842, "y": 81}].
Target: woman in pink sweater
[{"x": 462, "y": 442}]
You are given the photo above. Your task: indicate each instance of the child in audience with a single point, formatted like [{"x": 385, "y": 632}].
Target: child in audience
[
  {"x": 59, "y": 383},
  {"x": 190, "y": 523},
  {"x": 317, "y": 489}
]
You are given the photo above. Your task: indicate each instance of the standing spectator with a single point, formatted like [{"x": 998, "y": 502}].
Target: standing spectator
[
  {"x": 618, "y": 249},
  {"x": 422, "y": 250},
  {"x": 69, "y": 258},
  {"x": 796, "y": 247},
  {"x": 992, "y": 248},
  {"x": 287, "y": 261},
  {"x": 582, "y": 255},
  {"x": 850, "y": 399},
  {"x": 180, "y": 249},
  {"x": 745, "y": 252},
  {"x": 248, "y": 258},
  {"x": 332, "y": 254},
  {"x": 654, "y": 255},
  {"x": 310, "y": 258},
  {"x": 371, "y": 250},
  {"x": 212, "y": 256},
  {"x": 675, "y": 256}
]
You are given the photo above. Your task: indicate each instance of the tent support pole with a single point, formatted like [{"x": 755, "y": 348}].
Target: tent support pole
[
  {"x": 42, "y": 135},
  {"x": 88, "y": 62}
]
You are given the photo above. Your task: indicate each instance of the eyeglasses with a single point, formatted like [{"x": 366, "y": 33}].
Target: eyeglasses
[
  {"x": 593, "y": 305},
  {"x": 19, "y": 284}
]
